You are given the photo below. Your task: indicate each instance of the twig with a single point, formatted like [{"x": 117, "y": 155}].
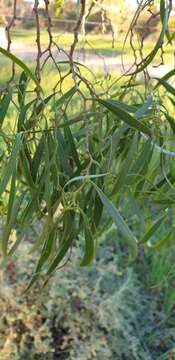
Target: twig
[
  {"x": 78, "y": 28},
  {"x": 38, "y": 41},
  {"x": 9, "y": 41}
]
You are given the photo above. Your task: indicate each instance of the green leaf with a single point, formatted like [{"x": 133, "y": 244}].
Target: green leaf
[
  {"x": 22, "y": 115},
  {"x": 119, "y": 222},
  {"x": 171, "y": 38},
  {"x": 44, "y": 233},
  {"x": 42, "y": 103},
  {"x": 171, "y": 121},
  {"x": 123, "y": 106},
  {"x": 25, "y": 169},
  {"x": 167, "y": 76},
  {"x": 21, "y": 64},
  {"x": 144, "y": 108},
  {"x": 167, "y": 86},
  {"x": 152, "y": 229},
  {"x": 125, "y": 167},
  {"x": 37, "y": 110},
  {"x": 4, "y": 105},
  {"x": 65, "y": 242},
  {"x": 45, "y": 253},
  {"x": 63, "y": 99},
  {"x": 162, "y": 16},
  {"x": 140, "y": 162},
  {"x": 138, "y": 111},
  {"x": 37, "y": 196},
  {"x": 12, "y": 195},
  {"x": 47, "y": 248},
  {"x": 8, "y": 171},
  {"x": 8, "y": 227},
  {"x": 47, "y": 175},
  {"x": 89, "y": 243},
  {"x": 161, "y": 242},
  {"x": 84, "y": 177},
  {"x": 126, "y": 117},
  {"x": 37, "y": 158},
  {"x": 71, "y": 144},
  {"x": 98, "y": 210},
  {"x": 22, "y": 88},
  {"x": 172, "y": 101},
  {"x": 63, "y": 156}
]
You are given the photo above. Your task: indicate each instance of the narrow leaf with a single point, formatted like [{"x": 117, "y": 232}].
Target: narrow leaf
[
  {"x": 144, "y": 108},
  {"x": 12, "y": 195},
  {"x": 4, "y": 105},
  {"x": 21, "y": 64},
  {"x": 65, "y": 243},
  {"x": 167, "y": 76},
  {"x": 8, "y": 172},
  {"x": 22, "y": 87},
  {"x": 118, "y": 221},
  {"x": 152, "y": 229},
  {"x": 171, "y": 121},
  {"x": 71, "y": 144},
  {"x": 8, "y": 227},
  {"x": 89, "y": 243},
  {"x": 161, "y": 242},
  {"x": 45, "y": 253},
  {"x": 63, "y": 154},
  {"x": 85, "y": 177},
  {"x": 125, "y": 167},
  {"x": 37, "y": 158},
  {"x": 61, "y": 101},
  {"x": 167, "y": 86},
  {"x": 126, "y": 117}
]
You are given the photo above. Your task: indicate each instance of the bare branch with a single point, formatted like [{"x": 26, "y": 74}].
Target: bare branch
[
  {"x": 38, "y": 41},
  {"x": 78, "y": 28},
  {"x": 8, "y": 29}
]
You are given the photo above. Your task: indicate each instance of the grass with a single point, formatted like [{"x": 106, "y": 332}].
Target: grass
[{"x": 92, "y": 41}]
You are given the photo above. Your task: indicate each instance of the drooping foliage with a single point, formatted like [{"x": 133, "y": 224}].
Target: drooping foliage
[{"x": 77, "y": 159}]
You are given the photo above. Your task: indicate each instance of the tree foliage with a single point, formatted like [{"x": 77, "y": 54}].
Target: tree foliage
[{"x": 75, "y": 173}]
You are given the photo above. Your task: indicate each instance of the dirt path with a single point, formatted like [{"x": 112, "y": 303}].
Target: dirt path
[{"x": 93, "y": 61}]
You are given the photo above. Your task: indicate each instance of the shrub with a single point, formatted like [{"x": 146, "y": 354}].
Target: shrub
[{"x": 104, "y": 312}]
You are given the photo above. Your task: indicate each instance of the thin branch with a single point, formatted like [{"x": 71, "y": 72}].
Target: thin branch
[
  {"x": 78, "y": 28},
  {"x": 38, "y": 41},
  {"x": 8, "y": 29}
]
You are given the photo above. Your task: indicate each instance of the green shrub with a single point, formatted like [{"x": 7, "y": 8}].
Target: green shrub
[{"x": 103, "y": 312}]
